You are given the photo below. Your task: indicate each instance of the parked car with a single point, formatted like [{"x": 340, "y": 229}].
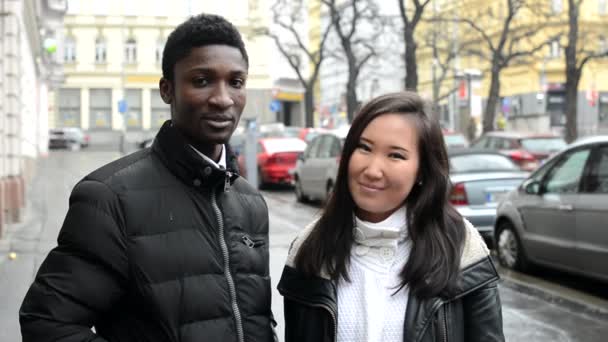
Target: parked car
[
  {"x": 558, "y": 217},
  {"x": 276, "y": 157},
  {"x": 71, "y": 138},
  {"x": 528, "y": 150},
  {"x": 316, "y": 168},
  {"x": 454, "y": 139},
  {"x": 480, "y": 180}
]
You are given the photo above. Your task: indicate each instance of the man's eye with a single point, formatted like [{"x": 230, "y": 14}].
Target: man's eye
[
  {"x": 238, "y": 83},
  {"x": 200, "y": 81}
]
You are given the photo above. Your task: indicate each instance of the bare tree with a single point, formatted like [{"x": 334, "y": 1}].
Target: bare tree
[
  {"x": 288, "y": 16},
  {"x": 347, "y": 18},
  {"x": 502, "y": 47},
  {"x": 576, "y": 58},
  {"x": 410, "y": 20}
]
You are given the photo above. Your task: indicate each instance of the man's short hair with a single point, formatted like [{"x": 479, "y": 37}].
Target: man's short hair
[{"x": 200, "y": 30}]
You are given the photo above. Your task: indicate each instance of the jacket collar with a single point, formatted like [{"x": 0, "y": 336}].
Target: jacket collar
[{"x": 175, "y": 153}]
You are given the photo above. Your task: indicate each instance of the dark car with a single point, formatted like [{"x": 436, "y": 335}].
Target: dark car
[
  {"x": 528, "y": 150},
  {"x": 558, "y": 217},
  {"x": 71, "y": 138}
]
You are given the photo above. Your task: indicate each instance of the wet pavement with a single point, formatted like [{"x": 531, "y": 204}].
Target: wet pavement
[{"x": 533, "y": 309}]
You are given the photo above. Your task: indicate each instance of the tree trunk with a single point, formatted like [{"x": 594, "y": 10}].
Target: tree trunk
[
  {"x": 411, "y": 68},
  {"x": 572, "y": 80},
  {"x": 351, "y": 97},
  {"x": 490, "y": 110},
  {"x": 309, "y": 103}
]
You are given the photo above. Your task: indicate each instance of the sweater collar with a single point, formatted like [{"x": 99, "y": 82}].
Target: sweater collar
[{"x": 385, "y": 233}]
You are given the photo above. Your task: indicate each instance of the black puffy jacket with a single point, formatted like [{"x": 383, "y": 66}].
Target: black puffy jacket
[
  {"x": 472, "y": 315},
  {"x": 156, "y": 246}
]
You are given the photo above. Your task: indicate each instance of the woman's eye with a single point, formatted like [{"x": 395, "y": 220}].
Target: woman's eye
[
  {"x": 363, "y": 147},
  {"x": 397, "y": 156}
]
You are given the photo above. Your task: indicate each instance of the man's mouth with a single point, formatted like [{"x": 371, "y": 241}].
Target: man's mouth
[{"x": 218, "y": 122}]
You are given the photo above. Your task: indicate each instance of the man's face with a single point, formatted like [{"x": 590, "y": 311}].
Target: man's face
[{"x": 207, "y": 94}]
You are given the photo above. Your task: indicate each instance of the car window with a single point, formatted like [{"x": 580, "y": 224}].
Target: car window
[
  {"x": 546, "y": 145},
  {"x": 481, "y": 162},
  {"x": 565, "y": 177},
  {"x": 326, "y": 145},
  {"x": 455, "y": 140},
  {"x": 260, "y": 148},
  {"x": 598, "y": 174},
  {"x": 311, "y": 151},
  {"x": 481, "y": 143},
  {"x": 336, "y": 147}
]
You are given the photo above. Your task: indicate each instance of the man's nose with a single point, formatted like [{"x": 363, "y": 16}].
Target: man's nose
[{"x": 221, "y": 96}]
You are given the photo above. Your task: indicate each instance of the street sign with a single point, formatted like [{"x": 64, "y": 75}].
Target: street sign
[
  {"x": 122, "y": 106},
  {"x": 275, "y": 106}
]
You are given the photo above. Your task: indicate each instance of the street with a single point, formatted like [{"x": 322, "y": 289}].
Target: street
[{"x": 533, "y": 309}]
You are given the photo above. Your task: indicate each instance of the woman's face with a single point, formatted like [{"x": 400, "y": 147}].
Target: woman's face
[{"x": 384, "y": 166}]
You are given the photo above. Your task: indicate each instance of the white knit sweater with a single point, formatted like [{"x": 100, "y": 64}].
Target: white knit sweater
[{"x": 368, "y": 308}]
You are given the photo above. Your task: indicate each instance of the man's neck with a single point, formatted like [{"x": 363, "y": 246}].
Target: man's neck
[{"x": 213, "y": 152}]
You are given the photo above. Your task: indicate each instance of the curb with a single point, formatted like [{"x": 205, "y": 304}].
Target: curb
[{"x": 560, "y": 295}]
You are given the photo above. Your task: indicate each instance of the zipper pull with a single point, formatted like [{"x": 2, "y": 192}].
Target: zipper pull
[
  {"x": 227, "y": 181},
  {"x": 248, "y": 242}
]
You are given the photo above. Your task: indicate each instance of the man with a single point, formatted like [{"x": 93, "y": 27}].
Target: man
[{"x": 169, "y": 243}]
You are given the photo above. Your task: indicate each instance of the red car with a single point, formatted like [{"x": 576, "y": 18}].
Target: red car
[
  {"x": 276, "y": 157},
  {"x": 528, "y": 150}
]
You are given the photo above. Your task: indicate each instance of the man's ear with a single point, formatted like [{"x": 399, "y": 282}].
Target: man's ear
[{"x": 166, "y": 90}]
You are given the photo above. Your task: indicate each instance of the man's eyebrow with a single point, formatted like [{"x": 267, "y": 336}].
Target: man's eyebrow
[
  {"x": 235, "y": 72},
  {"x": 392, "y": 147}
]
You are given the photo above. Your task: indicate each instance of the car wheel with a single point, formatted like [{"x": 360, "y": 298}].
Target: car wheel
[
  {"x": 299, "y": 192},
  {"x": 509, "y": 248}
]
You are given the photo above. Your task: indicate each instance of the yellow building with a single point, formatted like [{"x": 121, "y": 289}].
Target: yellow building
[
  {"x": 532, "y": 90},
  {"x": 112, "y": 56}
]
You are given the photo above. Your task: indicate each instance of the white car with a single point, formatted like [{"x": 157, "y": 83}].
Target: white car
[{"x": 317, "y": 167}]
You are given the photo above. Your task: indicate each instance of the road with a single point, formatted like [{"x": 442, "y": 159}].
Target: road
[{"x": 541, "y": 307}]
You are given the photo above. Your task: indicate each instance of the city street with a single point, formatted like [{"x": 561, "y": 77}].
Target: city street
[{"x": 533, "y": 309}]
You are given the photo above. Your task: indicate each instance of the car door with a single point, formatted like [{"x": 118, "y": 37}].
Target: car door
[
  {"x": 307, "y": 165},
  {"x": 320, "y": 171},
  {"x": 549, "y": 217},
  {"x": 592, "y": 215}
]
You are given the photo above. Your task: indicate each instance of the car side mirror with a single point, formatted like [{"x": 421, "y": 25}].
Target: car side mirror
[{"x": 531, "y": 187}]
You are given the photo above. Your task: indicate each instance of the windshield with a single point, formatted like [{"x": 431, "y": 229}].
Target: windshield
[
  {"x": 481, "y": 162},
  {"x": 543, "y": 144}
]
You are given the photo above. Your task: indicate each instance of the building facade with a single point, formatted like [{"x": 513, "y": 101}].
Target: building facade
[
  {"x": 532, "y": 89},
  {"x": 112, "y": 56},
  {"x": 29, "y": 67}
]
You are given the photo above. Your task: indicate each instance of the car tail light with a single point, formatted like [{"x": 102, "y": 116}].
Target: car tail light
[
  {"x": 458, "y": 196},
  {"x": 521, "y": 156}
]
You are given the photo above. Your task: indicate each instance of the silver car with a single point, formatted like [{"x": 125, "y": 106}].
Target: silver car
[
  {"x": 480, "y": 180},
  {"x": 316, "y": 168},
  {"x": 558, "y": 217}
]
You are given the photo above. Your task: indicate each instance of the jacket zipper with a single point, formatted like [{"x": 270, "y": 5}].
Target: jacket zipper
[
  {"x": 322, "y": 306},
  {"x": 445, "y": 323},
  {"x": 229, "y": 279},
  {"x": 250, "y": 242}
]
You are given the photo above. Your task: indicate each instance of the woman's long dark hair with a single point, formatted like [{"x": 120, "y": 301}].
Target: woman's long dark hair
[{"x": 436, "y": 229}]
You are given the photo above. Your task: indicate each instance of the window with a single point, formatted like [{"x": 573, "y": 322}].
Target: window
[
  {"x": 159, "y": 110},
  {"x": 557, "y": 6},
  {"x": 598, "y": 173},
  {"x": 312, "y": 150},
  {"x": 160, "y": 46},
  {"x": 602, "y": 7},
  {"x": 555, "y": 50},
  {"x": 131, "y": 51},
  {"x": 133, "y": 115},
  {"x": 565, "y": 177},
  {"x": 100, "y": 50},
  {"x": 69, "y": 108},
  {"x": 100, "y": 108},
  {"x": 602, "y": 45},
  {"x": 69, "y": 50}
]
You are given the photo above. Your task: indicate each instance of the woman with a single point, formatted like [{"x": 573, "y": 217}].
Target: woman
[{"x": 390, "y": 259}]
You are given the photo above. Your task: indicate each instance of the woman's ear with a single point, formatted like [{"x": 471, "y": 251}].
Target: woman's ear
[{"x": 166, "y": 90}]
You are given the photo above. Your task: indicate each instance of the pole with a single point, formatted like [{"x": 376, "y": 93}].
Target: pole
[{"x": 123, "y": 135}]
